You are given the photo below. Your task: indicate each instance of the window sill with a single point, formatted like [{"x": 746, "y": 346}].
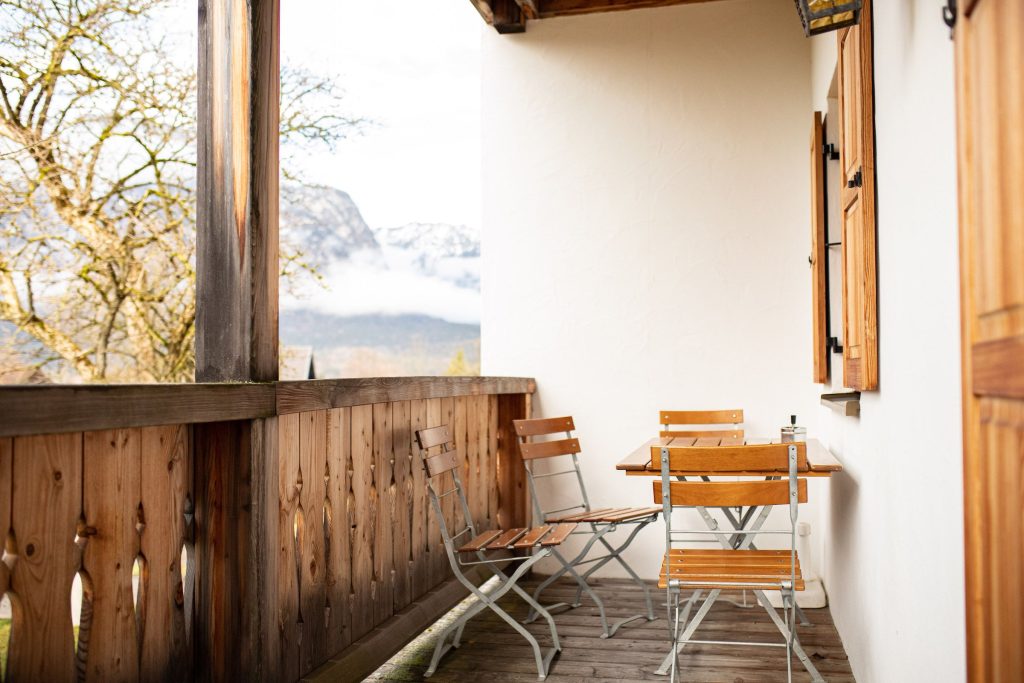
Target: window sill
[{"x": 846, "y": 403}]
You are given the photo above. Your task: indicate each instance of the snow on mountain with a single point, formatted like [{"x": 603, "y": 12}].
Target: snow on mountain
[
  {"x": 430, "y": 269},
  {"x": 436, "y": 239},
  {"x": 438, "y": 250},
  {"x": 324, "y": 222}
]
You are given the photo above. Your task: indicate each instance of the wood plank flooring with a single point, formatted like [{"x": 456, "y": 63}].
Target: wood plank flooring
[{"x": 492, "y": 652}]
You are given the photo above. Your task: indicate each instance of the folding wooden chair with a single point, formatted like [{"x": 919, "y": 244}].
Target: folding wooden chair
[
  {"x": 596, "y": 523},
  {"x": 542, "y": 539},
  {"x": 727, "y": 426},
  {"x": 740, "y": 568}
]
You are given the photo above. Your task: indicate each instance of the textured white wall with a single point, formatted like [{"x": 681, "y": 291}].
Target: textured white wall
[
  {"x": 645, "y": 224},
  {"x": 894, "y": 543}
]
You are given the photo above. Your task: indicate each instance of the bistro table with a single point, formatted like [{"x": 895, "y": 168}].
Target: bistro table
[
  {"x": 646, "y": 459},
  {"x": 726, "y": 457}
]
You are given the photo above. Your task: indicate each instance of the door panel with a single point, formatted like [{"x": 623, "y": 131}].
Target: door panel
[{"x": 990, "y": 104}]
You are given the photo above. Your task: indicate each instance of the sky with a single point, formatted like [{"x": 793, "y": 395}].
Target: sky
[
  {"x": 413, "y": 69},
  {"x": 410, "y": 67}
]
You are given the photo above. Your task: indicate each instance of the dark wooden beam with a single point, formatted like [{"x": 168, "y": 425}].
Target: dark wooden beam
[
  {"x": 55, "y": 409},
  {"x": 237, "y": 191},
  {"x": 529, "y": 8},
  {"x": 558, "y": 8},
  {"x": 294, "y": 397},
  {"x": 42, "y": 409},
  {"x": 506, "y": 16}
]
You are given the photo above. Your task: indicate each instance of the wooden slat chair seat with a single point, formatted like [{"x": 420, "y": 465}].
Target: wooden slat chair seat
[
  {"x": 559, "y": 442},
  {"x": 519, "y": 539},
  {"x": 442, "y": 461},
  {"x": 609, "y": 515},
  {"x": 729, "y": 569}
]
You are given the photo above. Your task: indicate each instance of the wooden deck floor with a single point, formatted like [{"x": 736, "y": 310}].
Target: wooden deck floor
[{"x": 492, "y": 651}]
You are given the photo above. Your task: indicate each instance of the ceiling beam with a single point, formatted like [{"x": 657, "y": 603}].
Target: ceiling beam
[
  {"x": 510, "y": 16},
  {"x": 529, "y": 8},
  {"x": 559, "y": 8},
  {"x": 505, "y": 16}
]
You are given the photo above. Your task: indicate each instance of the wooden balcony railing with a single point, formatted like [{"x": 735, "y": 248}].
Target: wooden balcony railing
[{"x": 275, "y": 528}]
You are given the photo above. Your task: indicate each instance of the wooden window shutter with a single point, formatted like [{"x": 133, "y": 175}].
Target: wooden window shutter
[
  {"x": 857, "y": 199},
  {"x": 819, "y": 246}
]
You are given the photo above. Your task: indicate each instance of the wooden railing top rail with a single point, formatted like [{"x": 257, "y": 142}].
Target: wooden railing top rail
[
  {"x": 52, "y": 409},
  {"x": 294, "y": 397}
]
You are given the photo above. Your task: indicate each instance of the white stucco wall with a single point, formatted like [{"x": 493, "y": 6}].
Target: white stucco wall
[
  {"x": 645, "y": 225},
  {"x": 894, "y": 539},
  {"x": 645, "y": 243}
]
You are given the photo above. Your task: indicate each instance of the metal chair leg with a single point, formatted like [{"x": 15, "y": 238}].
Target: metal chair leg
[
  {"x": 784, "y": 629},
  {"x": 677, "y": 646},
  {"x": 489, "y": 600},
  {"x": 532, "y": 616},
  {"x": 675, "y": 625},
  {"x": 629, "y": 570},
  {"x": 614, "y": 553},
  {"x": 584, "y": 586},
  {"x": 804, "y": 621}
]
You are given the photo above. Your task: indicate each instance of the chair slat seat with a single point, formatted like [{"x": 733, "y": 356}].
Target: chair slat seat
[
  {"x": 765, "y": 569},
  {"x": 531, "y": 538},
  {"x": 609, "y": 515},
  {"x": 580, "y": 516},
  {"x": 506, "y": 539},
  {"x": 480, "y": 541},
  {"x": 518, "y": 539},
  {"x": 559, "y": 535},
  {"x": 631, "y": 514}
]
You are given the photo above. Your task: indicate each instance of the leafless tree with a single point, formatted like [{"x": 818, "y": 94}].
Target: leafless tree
[{"x": 97, "y": 198}]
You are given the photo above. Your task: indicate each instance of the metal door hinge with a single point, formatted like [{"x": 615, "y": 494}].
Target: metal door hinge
[
  {"x": 830, "y": 151},
  {"x": 949, "y": 16},
  {"x": 857, "y": 180}
]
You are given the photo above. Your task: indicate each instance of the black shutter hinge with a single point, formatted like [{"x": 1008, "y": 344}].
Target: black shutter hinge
[
  {"x": 830, "y": 151},
  {"x": 857, "y": 180},
  {"x": 949, "y": 16}
]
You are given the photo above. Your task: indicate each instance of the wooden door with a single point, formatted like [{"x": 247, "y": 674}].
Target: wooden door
[
  {"x": 990, "y": 103},
  {"x": 857, "y": 199}
]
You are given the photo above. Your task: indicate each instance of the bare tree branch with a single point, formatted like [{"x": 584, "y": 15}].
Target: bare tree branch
[{"x": 97, "y": 178}]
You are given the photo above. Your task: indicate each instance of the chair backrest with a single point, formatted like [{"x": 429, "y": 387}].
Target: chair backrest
[
  {"x": 730, "y": 457},
  {"x": 788, "y": 489},
  {"x": 682, "y": 423},
  {"x": 726, "y": 494},
  {"x": 437, "y": 447},
  {"x": 532, "y": 450}
]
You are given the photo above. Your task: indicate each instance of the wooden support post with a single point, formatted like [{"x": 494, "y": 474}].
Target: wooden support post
[
  {"x": 237, "y": 633},
  {"x": 513, "y": 502},
  {"x": 237, "y": 190}
]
